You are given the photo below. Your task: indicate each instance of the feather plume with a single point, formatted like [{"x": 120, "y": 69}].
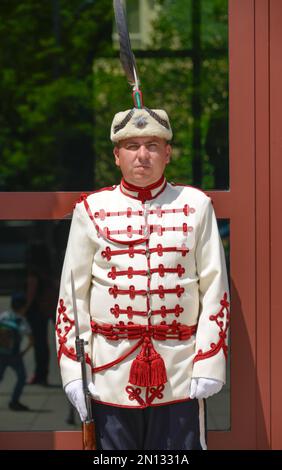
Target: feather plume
[{"x": 126, "y": 55}]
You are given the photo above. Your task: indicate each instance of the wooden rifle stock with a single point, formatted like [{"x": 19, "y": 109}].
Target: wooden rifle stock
[{"x": 88, "y": 436}]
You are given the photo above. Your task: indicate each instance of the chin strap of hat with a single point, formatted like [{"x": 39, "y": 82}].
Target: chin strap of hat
[{"x": 126, "y": 55}]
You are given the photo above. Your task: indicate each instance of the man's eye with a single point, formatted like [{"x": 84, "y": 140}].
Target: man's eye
[
  {"x": 152, "y": 147},
  {"x": 132, "y": 147}
]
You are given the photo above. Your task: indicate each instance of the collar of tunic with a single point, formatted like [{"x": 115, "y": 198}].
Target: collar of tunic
[{"x": 143, "y": 193}]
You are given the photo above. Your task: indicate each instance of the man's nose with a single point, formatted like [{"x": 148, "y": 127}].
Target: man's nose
[{"x": 142, "y": 152}]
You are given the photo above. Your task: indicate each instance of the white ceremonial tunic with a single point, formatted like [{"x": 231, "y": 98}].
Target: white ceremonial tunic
[{"x": 152, "y": 294}]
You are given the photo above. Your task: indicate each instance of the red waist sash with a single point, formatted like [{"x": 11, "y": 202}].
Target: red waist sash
[{"x": 148, "y": 368}]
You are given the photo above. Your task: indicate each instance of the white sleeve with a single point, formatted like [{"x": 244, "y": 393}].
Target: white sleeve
[
  {"x": 211, "y": 337},
  {"x": 78, "y": 259}
]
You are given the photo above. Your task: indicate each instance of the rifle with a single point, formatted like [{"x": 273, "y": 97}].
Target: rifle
[{"x": 88, "y": 427}]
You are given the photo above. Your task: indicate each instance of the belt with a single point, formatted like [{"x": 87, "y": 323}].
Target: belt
[{"x": 148, "y": 368}]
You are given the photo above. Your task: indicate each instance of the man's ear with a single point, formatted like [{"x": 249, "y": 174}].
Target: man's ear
[
  {"x": 116, "y": 154},
  {"x": 168, "y": 153}
]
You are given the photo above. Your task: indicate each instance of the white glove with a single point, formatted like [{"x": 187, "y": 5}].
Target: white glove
[
  {"x": 204, "y": 388},
  {"x": 75, "y": 394}
]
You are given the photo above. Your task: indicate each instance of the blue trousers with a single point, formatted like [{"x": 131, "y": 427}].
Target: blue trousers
[
  {"x": 178, "y": 426},
  {"x": 16, "y": 363}
]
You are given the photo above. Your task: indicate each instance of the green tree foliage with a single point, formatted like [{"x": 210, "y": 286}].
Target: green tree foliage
[{"x": 46, "y": 131}]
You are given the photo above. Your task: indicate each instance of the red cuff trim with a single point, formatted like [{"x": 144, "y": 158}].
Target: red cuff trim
[
  {"x": 221, "y": 344},
  {"x": 62, "y": 333}
]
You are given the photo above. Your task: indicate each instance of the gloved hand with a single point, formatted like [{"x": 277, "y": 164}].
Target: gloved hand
[
  {"x": 75, "y": 394},
  {"x": 204, "y": 388}
]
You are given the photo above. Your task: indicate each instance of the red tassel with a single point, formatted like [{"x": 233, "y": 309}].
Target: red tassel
[
  {"x": 140, "y": 372},
  {"x": 158, "y": 370},
  {"x": 140, "y": 368},
  {"x": 148, "y": 369}
]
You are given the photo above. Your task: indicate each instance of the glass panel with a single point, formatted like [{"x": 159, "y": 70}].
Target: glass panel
[
  {"x": 218, "y": 406},
  {"x": 36, "y": 248},
  {"x": 48, "y": 120}
]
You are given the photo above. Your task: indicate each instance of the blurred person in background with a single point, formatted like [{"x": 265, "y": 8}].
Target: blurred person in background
[
  {"x": 13, "y": 327},
  {"x": 41, "y": 301}
]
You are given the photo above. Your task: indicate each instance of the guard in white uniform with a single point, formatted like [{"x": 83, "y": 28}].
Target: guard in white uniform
[{"x": 152, "y": 298}]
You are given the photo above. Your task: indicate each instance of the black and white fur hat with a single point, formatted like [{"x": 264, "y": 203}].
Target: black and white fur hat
[{"x": 141, "y": 122}]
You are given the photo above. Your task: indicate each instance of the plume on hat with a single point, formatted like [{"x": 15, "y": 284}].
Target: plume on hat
[{"x": 126, "y": 55}]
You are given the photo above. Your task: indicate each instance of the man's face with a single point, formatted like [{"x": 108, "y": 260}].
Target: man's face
[{"x": 142, "y": 160}]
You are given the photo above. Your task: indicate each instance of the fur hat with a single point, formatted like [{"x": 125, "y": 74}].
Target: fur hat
[{"x": 141, "y": 122}]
